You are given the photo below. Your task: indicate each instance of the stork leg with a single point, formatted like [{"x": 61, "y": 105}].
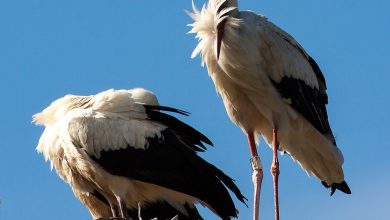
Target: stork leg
[
  {"x": 122, "y": 208},
  {"x": 275, "y": 171},
  {"x": 114, "y": 211},
  {"x": 257, "y": 176},
  {"x": 139, "y": 211}
]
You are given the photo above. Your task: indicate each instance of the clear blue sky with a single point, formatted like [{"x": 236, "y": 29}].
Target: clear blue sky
[{"x": 52, "y": 48}]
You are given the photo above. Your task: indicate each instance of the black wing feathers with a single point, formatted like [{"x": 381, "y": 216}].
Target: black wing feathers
[
  {"x": 308, "y": 101},
  {"x": 166, "y": 162},
  {"x": 186, "y": 133},
  {"x": 229, "y": 182}
]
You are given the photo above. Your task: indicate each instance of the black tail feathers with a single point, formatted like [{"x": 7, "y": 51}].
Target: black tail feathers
[{"x": 343, "y": 187}]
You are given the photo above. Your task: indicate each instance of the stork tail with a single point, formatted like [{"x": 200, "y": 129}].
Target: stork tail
[{"x": 343, "y": 187}]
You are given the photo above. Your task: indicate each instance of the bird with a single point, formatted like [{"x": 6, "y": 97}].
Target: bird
[
  {"x": 119, "y": 149},
  {"x": 270, "y": 87}
]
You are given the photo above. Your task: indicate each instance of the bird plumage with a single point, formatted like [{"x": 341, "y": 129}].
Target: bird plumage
[
  {"x": 267, "y": 80},
  {"x": 99, "y": 208},
  {"x": 121, "y": 144}
]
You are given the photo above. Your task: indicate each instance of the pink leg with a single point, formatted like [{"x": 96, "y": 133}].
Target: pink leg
[
  {"x": 257, "y": 176},
  {"x": 275, "y": 171}
]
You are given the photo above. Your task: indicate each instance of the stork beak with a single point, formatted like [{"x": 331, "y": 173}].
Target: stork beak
[
  {"x": 220, "y": 26},
  {"x": 220, "y": 32}
]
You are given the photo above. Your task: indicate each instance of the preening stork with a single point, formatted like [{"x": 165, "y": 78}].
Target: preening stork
[
  {"x": 119, "y": 151},
  {"x": 271, "y": 87}
]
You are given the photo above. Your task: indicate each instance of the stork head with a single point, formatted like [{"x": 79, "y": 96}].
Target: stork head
[
  {"x": 144, "y": 96},
  {"x": 224, "y": 10}
]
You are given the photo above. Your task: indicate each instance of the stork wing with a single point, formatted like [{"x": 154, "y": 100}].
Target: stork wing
[
  {"x": 186, "y": 133},
  {"x": 278, "y": 36},
  {"x": 301, "y": 81},
  {"x": 168, "y": 163},
  {"x": 149, "y": 151},
  {"x": 274, "y": 59}
]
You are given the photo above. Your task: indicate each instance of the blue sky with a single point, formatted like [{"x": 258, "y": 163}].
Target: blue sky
[{"x": 52, "y": 48}]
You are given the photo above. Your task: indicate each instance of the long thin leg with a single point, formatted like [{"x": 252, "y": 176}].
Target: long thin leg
[
  {"x": 275, "y": 171},
  {"x": 139, "y": 211},
  {"x": 122, "y": 208},
  {"x": 114, "y": 210},
  {"x": 257, "y": 176}
]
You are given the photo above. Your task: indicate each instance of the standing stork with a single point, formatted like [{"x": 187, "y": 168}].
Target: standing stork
[
  {"x": 118, "y": 149},
  {"x": 271, "y": 87}
]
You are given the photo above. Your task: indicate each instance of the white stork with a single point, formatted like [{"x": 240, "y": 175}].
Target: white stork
[
  {"x": 271, "y": 87},
  {"x": 118, "y": 149}
]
